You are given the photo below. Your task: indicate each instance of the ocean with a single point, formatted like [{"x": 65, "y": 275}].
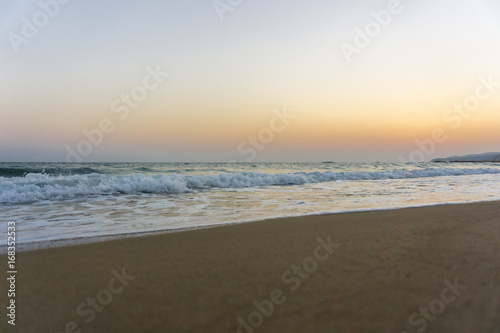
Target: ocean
[{"x": 54, "y": 202}]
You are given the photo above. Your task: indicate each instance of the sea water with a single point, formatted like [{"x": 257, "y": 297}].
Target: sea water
[{"x": 63, "y": 201}]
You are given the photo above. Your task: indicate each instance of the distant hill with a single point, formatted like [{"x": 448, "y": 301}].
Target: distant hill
[{"x": 486, "y": 157}]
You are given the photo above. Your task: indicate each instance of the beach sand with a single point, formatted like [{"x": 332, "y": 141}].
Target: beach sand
[{"x": 383, "y": 266}]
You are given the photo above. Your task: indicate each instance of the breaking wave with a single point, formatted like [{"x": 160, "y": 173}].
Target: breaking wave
[{"x": 34, "y": 187}]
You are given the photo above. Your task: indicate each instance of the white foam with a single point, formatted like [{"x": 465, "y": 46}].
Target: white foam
[{"x": 38, "y": 187}]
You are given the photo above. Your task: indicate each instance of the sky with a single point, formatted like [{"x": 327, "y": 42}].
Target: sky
[{"x": 249, "y": 80}]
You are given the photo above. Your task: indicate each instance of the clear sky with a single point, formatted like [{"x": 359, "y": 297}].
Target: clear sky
[{"x": 227, "y": 77}]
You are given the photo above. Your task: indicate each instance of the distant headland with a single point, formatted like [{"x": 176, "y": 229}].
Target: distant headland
[{"x": 486, "y": 157}]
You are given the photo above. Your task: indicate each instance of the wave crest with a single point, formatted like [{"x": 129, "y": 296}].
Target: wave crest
[{"x": 40, "y": 186}]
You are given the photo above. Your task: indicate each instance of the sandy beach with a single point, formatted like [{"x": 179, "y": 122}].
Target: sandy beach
[
  {"x": 233, "y": 166},
  {"x": 432, "y": 269}
]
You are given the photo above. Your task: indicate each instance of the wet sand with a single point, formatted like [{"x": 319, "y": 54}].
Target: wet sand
[{"x": 433, "y": 269}]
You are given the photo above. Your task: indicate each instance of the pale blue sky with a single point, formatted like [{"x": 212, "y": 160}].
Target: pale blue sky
[{"x": 227, "y": 76}]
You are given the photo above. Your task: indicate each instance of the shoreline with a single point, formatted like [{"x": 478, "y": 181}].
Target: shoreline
[
  {"x": 387, "y": 265},
  {"x": 57, "y": 243}
]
